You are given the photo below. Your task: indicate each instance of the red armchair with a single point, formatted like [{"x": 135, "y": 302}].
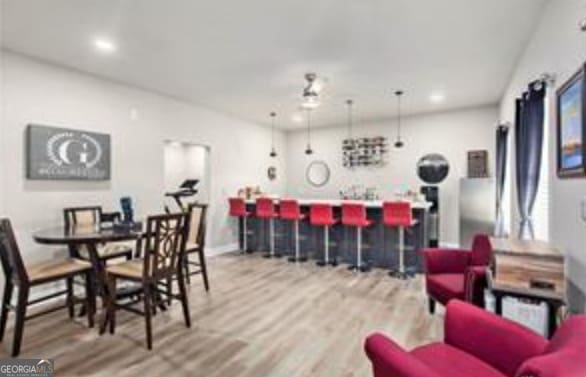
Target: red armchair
[
  {"x": 480, "y": 344},
  {"x": 456, "y": 273}
]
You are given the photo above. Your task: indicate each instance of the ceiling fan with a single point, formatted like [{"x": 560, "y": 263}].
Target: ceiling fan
[{"x": 312, "y": 90}]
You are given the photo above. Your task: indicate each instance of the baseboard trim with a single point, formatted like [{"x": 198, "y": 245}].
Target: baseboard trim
[
  {"x": 222, "y": 249},
  {"x": 449, "y": 245}
]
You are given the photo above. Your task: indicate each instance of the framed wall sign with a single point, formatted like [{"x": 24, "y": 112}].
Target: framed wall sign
[
  {"x": 55, "y": 153},
  {"x": 571, "y": 127}
]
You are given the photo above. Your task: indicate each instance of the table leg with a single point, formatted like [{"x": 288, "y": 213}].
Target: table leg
[
  {"x": 498, "y": 304},
  {"x": 74, "y": 253},
  {"x": 553, "y": 309}
]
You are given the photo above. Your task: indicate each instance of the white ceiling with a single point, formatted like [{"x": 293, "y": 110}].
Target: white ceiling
[{"x": 248, "y": 58}]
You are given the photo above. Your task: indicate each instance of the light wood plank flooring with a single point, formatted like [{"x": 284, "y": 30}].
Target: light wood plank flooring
[{"x": 262, "y": 318}]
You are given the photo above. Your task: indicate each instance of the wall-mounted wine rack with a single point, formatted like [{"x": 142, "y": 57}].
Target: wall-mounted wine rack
[{"x": 365, "y": 152}]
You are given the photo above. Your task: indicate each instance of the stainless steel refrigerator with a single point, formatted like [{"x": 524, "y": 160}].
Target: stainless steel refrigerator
[{"x": 477, "y": 208}]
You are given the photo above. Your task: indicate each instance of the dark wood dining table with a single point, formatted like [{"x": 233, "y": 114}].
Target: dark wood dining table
[{"x": 89, "y": 237}]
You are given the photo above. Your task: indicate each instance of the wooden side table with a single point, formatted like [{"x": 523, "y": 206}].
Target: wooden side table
[{"x": 528, "y": 269}]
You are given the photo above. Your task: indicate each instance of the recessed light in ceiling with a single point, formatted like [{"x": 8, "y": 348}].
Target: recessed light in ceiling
[
  {"x": 437, "y": 97},
  {"x": 104, "y": 45},
  {"x": 297, "y": 118}
]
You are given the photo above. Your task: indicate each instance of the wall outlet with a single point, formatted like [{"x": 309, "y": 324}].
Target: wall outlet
[{"x": 583, "y": 209}]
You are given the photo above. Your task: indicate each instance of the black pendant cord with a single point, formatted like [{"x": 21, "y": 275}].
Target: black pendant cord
[
  {"x": 308, "y": 150},
  {"x": 273, "y": 150},
  {"x": 399, "y": 143},
  {"x": 350, "y": 133}
]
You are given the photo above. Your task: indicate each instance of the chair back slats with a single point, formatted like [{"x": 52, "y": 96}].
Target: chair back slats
[
  {"x": 197, "y": 225},
  {"x": 12, "y": 262},
  {"x": 82, "y": 216},
  {"x": 165, "y": 245}
]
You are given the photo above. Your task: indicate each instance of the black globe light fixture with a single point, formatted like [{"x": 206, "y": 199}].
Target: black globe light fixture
[
  {"x": 273, "y": 153},
  {"x": 399, "y": 143}
]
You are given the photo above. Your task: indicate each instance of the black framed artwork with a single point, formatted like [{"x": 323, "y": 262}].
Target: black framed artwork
[{"x": 571, "y": 126}]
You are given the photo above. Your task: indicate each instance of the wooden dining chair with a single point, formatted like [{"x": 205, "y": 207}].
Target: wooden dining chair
[
  {"x": 26, "y": 277},
  {"x": 196, "y": 243},
  {"x": 163, "y": 255},
  {"x": 94, "y": 216}
]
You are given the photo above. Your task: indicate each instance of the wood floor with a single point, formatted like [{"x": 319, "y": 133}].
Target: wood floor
[{"x": 261, "y": 318}]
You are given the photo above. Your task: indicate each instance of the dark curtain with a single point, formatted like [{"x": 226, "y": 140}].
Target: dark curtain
[
  {"x": 528, "y": 143},
  {"x": 502, "y": 138}
]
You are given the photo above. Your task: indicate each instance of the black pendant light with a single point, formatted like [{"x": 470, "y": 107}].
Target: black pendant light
[
  {"x": 399, "y": 143},
  {"x": 308, "y": 150},
  {"x": 349, "y": 103},
  {"x": 273, "y": 150}
]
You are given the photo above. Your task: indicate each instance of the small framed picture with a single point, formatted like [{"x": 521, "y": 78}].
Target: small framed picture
[{"x": 571, "y": 127}]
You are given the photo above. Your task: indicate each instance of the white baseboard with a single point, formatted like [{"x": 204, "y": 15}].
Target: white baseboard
[
  {"x": 449, "y": 245},
  {"x": 223, "y": 249}
]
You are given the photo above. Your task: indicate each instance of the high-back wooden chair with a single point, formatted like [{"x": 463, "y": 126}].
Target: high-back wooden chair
[
  {"x": 25, "y": 277},
  {"x": 94, "y": 216},
  {"x": 163, "y": 256},
  {"x": 196, "y": 242}
]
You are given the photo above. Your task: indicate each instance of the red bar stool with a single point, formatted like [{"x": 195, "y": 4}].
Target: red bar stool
[
  {"x": 265, "y": 210},
  {"x": 238, "y": 210},
  {"x": 399, "y": 215},
  {"x": 289, "y": 211},
  {"x": 354, "y": 215},
  {"x": 323, "y": 215}
]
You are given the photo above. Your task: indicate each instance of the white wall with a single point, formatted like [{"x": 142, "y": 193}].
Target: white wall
[
  {"x": 186, "y": 161},
  {"x": 451, "y": 134},
  {"x": 45, "y": 94},
  {"x": 557, "y": 46}
]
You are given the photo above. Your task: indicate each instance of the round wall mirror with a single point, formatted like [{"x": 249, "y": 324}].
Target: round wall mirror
[
  {"x": 317, "y": 173},
  {"x": 433, "y": 168}
]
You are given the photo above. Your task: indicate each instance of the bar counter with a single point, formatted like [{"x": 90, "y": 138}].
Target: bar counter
[{"x": 380, "y": 243}]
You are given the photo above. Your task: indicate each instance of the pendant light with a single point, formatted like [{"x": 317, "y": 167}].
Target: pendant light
[
  {"x": 399, "y": 143},
  {"x": 273, "y": 150},
  {"x": 349, "y": 105},
  {"x": 308, "y": 150}
]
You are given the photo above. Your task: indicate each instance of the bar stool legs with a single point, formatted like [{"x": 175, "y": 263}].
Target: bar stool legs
[
  {"x": 272, "y": 253},
  {"x": 297, "y": 257},
  {"x": 359, "y": 266},
  {"x": 244, "y": 236},
  {"x": 402, "y": 272},
  {"x": 326, "y": 261}
]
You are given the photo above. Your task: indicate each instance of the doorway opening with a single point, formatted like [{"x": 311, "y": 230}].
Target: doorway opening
[{"x": 185, "y": 162}]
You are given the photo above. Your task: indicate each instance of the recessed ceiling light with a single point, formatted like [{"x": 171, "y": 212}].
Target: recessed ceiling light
[
  {"x": 437, "y": 97},
  {"x": 297, "y": 118},
  {"x": 104, "y": 45}
]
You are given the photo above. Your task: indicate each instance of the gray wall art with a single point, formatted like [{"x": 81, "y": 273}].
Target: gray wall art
[{"x": 64, "y": 154}]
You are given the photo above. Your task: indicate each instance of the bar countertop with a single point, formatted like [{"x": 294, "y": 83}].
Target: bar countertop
[{"x": 338, "y": 202}]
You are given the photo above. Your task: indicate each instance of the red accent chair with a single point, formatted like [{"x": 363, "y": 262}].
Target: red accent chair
[
  {"x": 238, "y": 210},
  {"x": 481, "y": 344},
  {"x": 456, "y": 273}
]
